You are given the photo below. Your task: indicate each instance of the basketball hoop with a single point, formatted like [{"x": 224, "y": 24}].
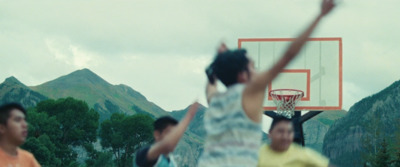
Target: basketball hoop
[{"x": 285, "y": 100}]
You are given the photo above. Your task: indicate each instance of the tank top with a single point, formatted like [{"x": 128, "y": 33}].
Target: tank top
[{"x": 233, "y": 139}]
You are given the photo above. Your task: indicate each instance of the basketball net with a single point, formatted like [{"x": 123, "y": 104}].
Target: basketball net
[{"x": 285, "y": 100}]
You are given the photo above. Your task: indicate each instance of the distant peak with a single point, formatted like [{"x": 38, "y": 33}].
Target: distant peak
[
  {"x": 84, "y": 71},
  {"x": 13, "y": 81},
  {"x": 83, "y": 76}
]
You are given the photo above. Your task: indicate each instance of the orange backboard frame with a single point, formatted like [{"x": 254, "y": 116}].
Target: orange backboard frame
[{"x": 311, "y": 108}]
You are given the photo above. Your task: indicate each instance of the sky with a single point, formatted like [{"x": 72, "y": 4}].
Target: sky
[{"x": 161, "y": 48}]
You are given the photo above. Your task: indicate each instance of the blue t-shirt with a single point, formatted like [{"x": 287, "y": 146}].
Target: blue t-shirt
[{"x": 162, "y": 161}]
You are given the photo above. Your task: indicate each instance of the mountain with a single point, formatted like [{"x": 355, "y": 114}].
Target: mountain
[
  {"x": 98, "y": 93},
  {"x": 12, "y": 90},
  {"x": 343, "y": 143},
  {"x": 316, "y": 128},
  {"x": 103, "y": 97},
  {"x": 107, "y": 99}
]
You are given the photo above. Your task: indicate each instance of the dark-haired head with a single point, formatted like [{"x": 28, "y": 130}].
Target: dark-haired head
[
  {"x": 231, "y": 67},
  {"x": 162, "y": 126},
  {"x": 281, "y": 133},
  {"x": 6, "y": 109},
  {"x": 13, "y": 125},
  {"x": 278, "y": 119}
]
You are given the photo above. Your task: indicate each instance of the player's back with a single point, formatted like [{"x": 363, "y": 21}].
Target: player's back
[{"x": 232, "y": 139}]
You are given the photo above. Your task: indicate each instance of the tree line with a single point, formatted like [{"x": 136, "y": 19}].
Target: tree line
[{"x": 66, "y": 132}]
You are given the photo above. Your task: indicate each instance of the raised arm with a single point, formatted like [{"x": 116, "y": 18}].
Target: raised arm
[
  {"x": 254, "y": 93},
  {"x": 168, "y": 144},
  {"x": 211, "y": 87}
]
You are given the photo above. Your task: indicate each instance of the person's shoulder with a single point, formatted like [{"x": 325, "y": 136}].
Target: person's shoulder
[
  {"x": 263, "y": 146},
  {"x": 264, "y": 149},
  {"x": 144, "y": 147},
  {"x": 315, "y": 158},
  {"x": 303, "y": 150},
  {"x": 28, "y": 157},
  {"x": 296, "y": 146},
  {"x": 141, "y": 157},
  {"x": 299, "y": 148},
  {"x": 311, "y": 151},
  {"x": 25, "y": 153},
  {"x": 143, "y": 150}
]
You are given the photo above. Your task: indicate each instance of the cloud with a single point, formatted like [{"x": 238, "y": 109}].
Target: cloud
[
  {"x": 71, "y": 54},
  {"x": 171, "y": 81},
  {"x": 160, "y": 48},
  {"x": 166, "y": 27}
]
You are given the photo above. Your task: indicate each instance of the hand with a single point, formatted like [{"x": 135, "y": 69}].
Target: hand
[
  {"x": 210, "y": 75},
  {"x": 209, "y": 70},
  {"x": 327, "y": 6},
  {"x": 222, "y": 48}
]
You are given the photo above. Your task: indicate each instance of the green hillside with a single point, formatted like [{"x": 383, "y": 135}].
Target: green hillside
[
  {"x": 12, "y": 90},
  {"x": 379, "y": 113},
  {"x": 103, "y": 96}
]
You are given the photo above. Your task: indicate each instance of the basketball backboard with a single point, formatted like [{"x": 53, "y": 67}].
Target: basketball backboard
[{"x": 317, "y": 70}]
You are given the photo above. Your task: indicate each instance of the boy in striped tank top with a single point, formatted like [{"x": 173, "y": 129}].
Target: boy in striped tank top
[{"x": 233, "y": 119}]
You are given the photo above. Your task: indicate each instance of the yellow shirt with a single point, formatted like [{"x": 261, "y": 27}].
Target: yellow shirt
[
  {"x": 295, "y": 156},
  {"x": 23, "y": 159}
]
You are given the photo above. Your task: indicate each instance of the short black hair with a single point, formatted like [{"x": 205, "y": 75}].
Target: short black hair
[
  {"x": 5, "y": 110},
  {"x": 163, "y": 122},
  {"x": 278, "y": 119},
  {"x": 227, "y": 65}
]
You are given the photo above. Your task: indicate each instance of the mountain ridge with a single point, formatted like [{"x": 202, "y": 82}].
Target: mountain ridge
[
  {"x": 97, "y": 92},
  {"x": 343, "y": 143}
]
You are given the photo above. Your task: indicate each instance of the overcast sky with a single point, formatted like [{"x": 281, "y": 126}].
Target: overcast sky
[{"x": 161, "y": 48}]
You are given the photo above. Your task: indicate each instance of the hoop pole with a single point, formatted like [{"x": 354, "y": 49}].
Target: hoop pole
[
  {"x": 271, "y": 114},
  {"x": 309, "y": 115},
  {"x": 298, "y": 128}
]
